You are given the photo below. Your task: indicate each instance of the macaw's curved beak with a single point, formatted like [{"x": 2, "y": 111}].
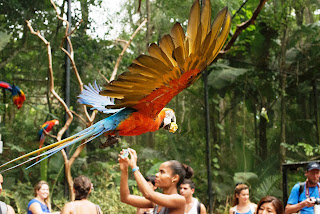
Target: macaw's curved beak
[{"x": 171, "y": 127}]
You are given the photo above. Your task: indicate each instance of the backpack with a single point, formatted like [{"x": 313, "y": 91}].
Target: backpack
[
  {"x": 199, "y": 207},
  {"x": 3, "y": 208},
  {"x": 301, "y": 188}
]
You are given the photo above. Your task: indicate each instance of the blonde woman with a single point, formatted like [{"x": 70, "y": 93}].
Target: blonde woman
[
  {"x": 41, "y": 203},
  {"x": 241, "y": 202}
]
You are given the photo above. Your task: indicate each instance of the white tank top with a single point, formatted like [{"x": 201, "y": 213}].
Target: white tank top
[{"x": 194, "y": 207}]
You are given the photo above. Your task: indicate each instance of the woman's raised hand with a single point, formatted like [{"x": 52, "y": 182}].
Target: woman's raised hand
[
  {"x": 123, "y": 160},
  {"x": 133, "y": 158}
]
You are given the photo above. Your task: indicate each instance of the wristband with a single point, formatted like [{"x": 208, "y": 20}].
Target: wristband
[{"x": 135, "y": 169}]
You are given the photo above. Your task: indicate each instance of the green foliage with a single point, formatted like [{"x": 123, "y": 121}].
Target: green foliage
[
  {"x": 246, "y": 80},
  {"x": 268, "y": 186}
]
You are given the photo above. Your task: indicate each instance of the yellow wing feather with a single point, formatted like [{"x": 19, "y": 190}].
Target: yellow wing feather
[
  {"x": 156, "y": 52},
  {"x": 222, "y": 37},
  {"x": 174, "y": 64},
  {"x": 193, "y": 23},
  {"x": 205, "y": 18},
  {"x": 178, "y": 39},
  {"x": 167, "y": 46}
]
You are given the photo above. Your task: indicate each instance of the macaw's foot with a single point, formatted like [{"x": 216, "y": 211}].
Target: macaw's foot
[{"x": 110, "y": 141}]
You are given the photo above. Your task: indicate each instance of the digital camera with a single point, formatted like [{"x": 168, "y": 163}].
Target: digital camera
[
  {"x": 125, "y": 153},
  {"x": 315, "y": 200}
]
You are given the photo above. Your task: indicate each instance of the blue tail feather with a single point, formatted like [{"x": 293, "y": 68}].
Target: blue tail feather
[{"x": 91, "y": 132}]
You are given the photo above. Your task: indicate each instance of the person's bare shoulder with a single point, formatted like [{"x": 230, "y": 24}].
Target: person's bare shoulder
[
  {"x": 231, "y": 210},
  {"x": 67, "y": 208},
  {"x": 10, "y": 210},
  {"x": 254, "y": 205},
  {"x": 203, "y": 209}
]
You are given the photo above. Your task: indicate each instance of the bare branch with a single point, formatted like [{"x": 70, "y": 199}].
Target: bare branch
[
  {"x": 242, "y": 27},
  {"x": 76, "y": 154},
  {"x": 113, "y": 75},
  {"x": 51, "y": 78},
  {"x": 105, "y": 78},
  {"x": 81, "y": 118},
  {"x": 71, "y": 56},
  {"x": 121, "y": 41},
  {"x": 50, "y": 135}
]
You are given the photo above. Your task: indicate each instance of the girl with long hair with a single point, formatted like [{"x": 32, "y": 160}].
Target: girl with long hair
[
  {"x": 241, "y": 202},
  {"x": 41, "y": 203}
]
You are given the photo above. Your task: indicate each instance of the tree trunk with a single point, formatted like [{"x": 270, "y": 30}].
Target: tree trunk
[
  {"x": 233, "y": 123},
  {"x": 256, "y": 137},
  {"x": 283, "y": 83},
  {"x": 84, "y": 16},
  {"x": 263, "y": 148},
  {"x": 148, "y": 9},
  {"x": 316, "y": 112}
]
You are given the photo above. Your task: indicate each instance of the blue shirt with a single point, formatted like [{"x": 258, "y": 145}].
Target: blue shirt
[
  {"x": 249, "y": 212},
  {"x": 294, "y": 197},
  {"x": 44, "y": 207}
]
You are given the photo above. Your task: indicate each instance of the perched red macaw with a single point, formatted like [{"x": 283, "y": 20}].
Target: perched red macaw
[
  {"x": 45, "y": 129},
  {"x": 152, "y": 81},
  {"x": 18, "y": 96}
]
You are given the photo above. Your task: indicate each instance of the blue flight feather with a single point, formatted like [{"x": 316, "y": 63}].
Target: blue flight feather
[{"x": 90, "y": 96}]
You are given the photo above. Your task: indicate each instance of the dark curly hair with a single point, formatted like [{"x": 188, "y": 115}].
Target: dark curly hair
[{"x": 82, "y": 186}]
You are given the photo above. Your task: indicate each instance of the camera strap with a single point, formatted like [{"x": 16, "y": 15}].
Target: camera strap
[{"x": 307, "y": 190}]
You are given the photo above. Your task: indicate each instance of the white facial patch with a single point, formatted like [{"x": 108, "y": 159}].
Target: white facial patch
[{"x": 169, "y": 116}]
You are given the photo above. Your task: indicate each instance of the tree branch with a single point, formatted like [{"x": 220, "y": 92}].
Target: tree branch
[
  {"x": 242, "y": 27},
  {"x": 51, "y": 78},
  {"x": 113, "y": 75}
]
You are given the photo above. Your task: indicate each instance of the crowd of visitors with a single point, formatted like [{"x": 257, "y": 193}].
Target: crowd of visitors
[{"x": 176, "y": 195}]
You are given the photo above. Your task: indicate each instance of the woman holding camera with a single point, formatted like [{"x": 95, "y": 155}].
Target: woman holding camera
[{"x": 171, "y": 174}]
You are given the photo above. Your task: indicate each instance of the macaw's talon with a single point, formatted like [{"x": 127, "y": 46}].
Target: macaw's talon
[{"x": 110, "y": 141}]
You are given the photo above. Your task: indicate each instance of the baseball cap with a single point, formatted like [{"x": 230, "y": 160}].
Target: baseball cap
[{"x": 312, "y": 165}]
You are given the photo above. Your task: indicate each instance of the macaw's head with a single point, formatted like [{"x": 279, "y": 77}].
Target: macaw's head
[
  {"x": 18, "y": 97},
  {"x": 56, "y": 122},
  {"x": 169, "y": 120}
]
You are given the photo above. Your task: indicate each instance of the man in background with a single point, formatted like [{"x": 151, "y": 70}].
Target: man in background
[
  {"x": 4, "y": 208},
  {"x": 193, "y": 206},
  {"x": 303, "y": 195}
]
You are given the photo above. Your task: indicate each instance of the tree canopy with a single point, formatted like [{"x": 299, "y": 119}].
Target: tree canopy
[{"x": 263, "y": 97}]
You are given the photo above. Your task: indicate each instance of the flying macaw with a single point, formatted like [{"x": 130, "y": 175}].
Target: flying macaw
[
  {"x": 152, "y": 81},
  {"x": 45, "y": 129},
  {"x": 18, "y": 96}
]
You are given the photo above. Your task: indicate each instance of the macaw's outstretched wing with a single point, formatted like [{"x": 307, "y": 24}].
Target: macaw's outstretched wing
[
  {"x": 5, "y": 85},
  {"x": 41, "y": 132},
  {"x": 152, "y": 81},
  {"x": 18, "y": 96}
]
